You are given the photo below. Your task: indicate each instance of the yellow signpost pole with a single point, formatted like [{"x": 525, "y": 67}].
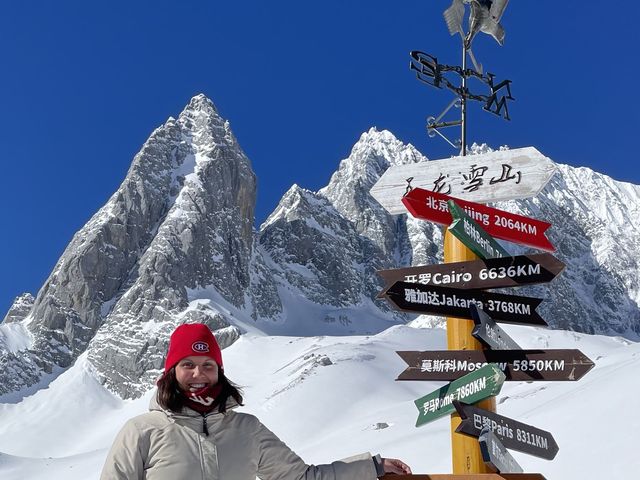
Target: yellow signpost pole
[{"x": 465, "y": 450}]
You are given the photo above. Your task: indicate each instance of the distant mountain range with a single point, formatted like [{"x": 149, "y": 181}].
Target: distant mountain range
[{"x": 176, "y": 243}]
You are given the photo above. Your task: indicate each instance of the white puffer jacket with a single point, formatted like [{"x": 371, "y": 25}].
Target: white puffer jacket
[{"x": 162, "y": 445}]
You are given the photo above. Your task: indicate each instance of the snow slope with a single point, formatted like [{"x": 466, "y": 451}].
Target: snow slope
[{"x": 343, "y": 388}]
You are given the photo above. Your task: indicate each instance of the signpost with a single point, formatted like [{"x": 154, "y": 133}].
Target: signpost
[
  {"x": 489, "y": 333},
  {"x": 495, "y": 454},
  {"x": 473, "y": 235},
  {"x": 480, "y": 274},
  {"x": 432, "y": 206},
  {"x": 513, "y": 435},
  {"x": 484, "y": 382},
  {"x": 417, "y": 298},
  {"x": 517, "y": 365},
  {"x": 424, "y": 189},
  {"x": 490, "y": 177}
]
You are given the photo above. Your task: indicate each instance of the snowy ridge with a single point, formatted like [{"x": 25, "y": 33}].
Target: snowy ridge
[
  {"x": 176, "y": 243},
  {"x": 348, "y": 190},
  {"x": 324, "y": 270},
  {"x": 14, "y": 337},
  {"x": 596, "y": 236}
]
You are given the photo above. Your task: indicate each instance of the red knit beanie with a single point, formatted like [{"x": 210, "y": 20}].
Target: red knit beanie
[{"x": 192, "y": 339}]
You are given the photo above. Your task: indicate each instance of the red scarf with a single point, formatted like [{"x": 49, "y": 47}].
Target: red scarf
[{"x": 203, "y": 400}]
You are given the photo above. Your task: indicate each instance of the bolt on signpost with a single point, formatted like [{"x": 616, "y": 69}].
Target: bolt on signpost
[{"x": 466, "y": 454}]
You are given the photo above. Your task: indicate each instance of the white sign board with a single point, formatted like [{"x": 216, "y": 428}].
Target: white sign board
[{"x": 491, "y": 177}]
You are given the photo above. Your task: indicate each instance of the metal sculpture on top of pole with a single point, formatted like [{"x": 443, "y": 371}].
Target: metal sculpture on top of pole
[{"x": 484, "y": 17}]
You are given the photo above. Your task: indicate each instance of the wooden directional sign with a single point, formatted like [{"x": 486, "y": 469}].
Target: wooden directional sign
[
  {"x": 472, "y": 235},
  {"x": 495, "y": 455},
  {"x": 476, "y": 386},
  {"x": 517, "y": 365},
  {"x": 513, "y": 435},
  {"x": 432, "y": 206},
  {"x": 467, "y": 476},
  {"x": 489, "y": 333},
  {"x": 451, "y": 302},
  {"x": 491, "y": 177},
  {"x": 480, "y": 274}
]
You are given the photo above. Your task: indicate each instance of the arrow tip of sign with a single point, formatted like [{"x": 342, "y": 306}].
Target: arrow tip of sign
[{"x": 459, "y": 406}]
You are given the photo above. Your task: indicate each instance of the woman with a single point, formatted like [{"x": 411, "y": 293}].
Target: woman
[{"x": 192, "y": 431}]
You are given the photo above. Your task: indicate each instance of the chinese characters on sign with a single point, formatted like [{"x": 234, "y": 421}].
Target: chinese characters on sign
[
  {"x": 489, "y": 177},
  {"x": 475, "y": 178},
  {"x": 436, "y": 207},
  {"x": 517, "y": 365},
  {"x": 480, "y": 274}
]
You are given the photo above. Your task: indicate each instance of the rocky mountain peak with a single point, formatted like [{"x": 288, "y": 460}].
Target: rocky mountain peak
[
  {"x": 200, "y": 103},
  {"x": 204, "y": 128},
  {"x": 374, "y": 152},
  {"x": 20, "y": 308},
  {"x": 181, "y": 220},
  {"x": 348, "y": 188},
  {"x": 297, "y": 202}
]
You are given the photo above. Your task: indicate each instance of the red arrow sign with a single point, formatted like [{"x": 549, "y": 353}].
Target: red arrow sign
[{"x": 432, "y": 206}]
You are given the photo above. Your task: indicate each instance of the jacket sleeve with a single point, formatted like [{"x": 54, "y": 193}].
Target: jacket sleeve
[
  {"x": 127, "y": 456},
  {"x": 279, "y": 462}
]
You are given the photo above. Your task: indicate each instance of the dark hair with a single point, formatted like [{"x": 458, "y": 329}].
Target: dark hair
[{"x": 169, "y": 396}]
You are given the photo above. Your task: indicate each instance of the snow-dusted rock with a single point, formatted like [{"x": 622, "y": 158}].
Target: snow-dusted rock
[
  {"x": 597, "y": 235},
  {"x": 20, "y": 308},
  {"x": 182, "y": 219}
]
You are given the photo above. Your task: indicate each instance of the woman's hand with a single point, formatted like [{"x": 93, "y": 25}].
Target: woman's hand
[{"x": 393, "y": 465}]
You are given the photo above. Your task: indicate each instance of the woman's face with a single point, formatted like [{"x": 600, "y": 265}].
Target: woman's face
[{"x": 196, "y": 372}]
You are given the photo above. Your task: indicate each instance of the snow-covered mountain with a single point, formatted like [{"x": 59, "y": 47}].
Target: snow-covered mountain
[
  {"x": 344, "y": 389},
  {"x": 175, "y": 243}
]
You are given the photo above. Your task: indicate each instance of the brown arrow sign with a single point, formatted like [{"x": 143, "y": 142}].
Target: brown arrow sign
[
  {"x": 480, "y": 274},
  {"x": 452, "y": 302},
  {"x": 517, "y": 365},
  {"x": 513, "y": 435}
]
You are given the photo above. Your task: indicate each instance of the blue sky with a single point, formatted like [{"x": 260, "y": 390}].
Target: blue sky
[{"x": 83, "y": 84}]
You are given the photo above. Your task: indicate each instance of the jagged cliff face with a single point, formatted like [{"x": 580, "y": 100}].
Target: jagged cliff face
[
  {"x": 316, "y": 254},
  {"x": 204, "y": 239},
  {"x": 596, "y": 233},
  {"x": 182, "y": 219},
  {"x": 401, "y": 240},
  {"x": 327, "y": 246},
  {"x": 175, "y": 244}
]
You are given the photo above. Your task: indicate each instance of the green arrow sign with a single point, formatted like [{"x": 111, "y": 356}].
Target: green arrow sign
[
  {"x": 473, "y": 235},
  {"x": 473, "y": 387}
]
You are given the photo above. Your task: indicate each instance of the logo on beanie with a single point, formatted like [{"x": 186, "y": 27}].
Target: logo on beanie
[{"x": 200, "y": 347}]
